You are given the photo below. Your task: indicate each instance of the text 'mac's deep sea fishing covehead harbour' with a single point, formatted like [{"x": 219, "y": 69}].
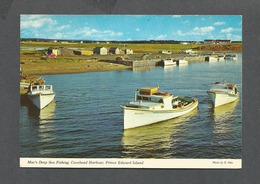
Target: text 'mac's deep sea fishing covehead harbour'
[{"x": 104, "y": 98}]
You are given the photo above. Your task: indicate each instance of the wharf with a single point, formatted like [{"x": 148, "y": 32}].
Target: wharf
[
  {"x": 152, "y": 62},
  {"x": 136, "y": 63}
]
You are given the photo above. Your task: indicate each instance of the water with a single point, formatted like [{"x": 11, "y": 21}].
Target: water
[{"x": 86, "y": 121}]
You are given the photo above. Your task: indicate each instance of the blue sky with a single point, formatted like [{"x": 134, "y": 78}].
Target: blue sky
[{"x": 132, "y": 27}]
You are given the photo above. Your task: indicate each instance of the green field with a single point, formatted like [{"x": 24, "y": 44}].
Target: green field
[{"x": 137, "y": 48}]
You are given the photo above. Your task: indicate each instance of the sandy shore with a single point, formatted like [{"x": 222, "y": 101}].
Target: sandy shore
[{"x": 47, "y": 68}]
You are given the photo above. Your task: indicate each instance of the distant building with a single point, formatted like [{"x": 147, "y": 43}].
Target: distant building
[
  {"x": 129, "y": 51},
  {"x": 217, "y": 41},
  {"x": 209, "y": 41},
  {"x": 190, "y": 51},
  {"x": 223, "y": 41},
  {"x": 165, "y": 52},
  {"x": 114, "y": 50},
  {"x": 100, "y": 50},
  {"x": 55, "y": 51},
  {"x": 87, "y": 52}
]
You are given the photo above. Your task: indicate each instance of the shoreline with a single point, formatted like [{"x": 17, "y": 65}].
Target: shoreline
[{"x": 55, "y": 68}]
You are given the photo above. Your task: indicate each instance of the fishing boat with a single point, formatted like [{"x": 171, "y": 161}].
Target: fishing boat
[
  {"x": 169, "y": 62},
  {"x": 221, "y": 57},
  {"x": 41, "y": 95},
  {"x": 211, "y": 59},
  {"x": 182, "y": 62},
  {"x": 223, "y": 93},
  {"x": 231, "y": 57},
  {"x": 151, "y": 106}
]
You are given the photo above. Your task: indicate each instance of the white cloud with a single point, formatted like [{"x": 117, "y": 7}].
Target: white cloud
[
  {"x": 227, "y": 30},
  {"x": 63, "y": 27},
  {"x": 137, "y": 29},
  {"x": 180, "y": 33},
  {"x": 197, "y": 31},
  {"x": 161, "y": 37},
  {"x": 36, "y": 21},
  {"x": 202, "y": 30},
  {"x": 58, "y": 35},
  {"x": 87, "y": 32},
  {"x": 219, "y": 23},
  {"x": 186, "y": 22}
]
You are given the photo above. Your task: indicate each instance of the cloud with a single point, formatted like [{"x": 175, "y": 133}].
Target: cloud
[
  {"x": 186, "y": 22},
  {"x": 202, "y": 30},
  {"x": 137, "y": 29},
  {"x": 63, "y": 27},
  {"x": 87, "y": 32},
  {"x": 227, "y": 30},
  {"x": 197, "y": 31},
  {"x": 58, "y": 36},
  {"x": 180, "y": 33},
  {"x": 36, "y": 21},
  {"x": 161, "y": 37},
  {"x": 219, "y": 23}
]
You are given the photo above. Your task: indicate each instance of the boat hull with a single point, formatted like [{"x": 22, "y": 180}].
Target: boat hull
[
  {"x": 169, "y": 62},
  {"x": 219, "y": 99},
  {"x": 182, "y": 62},
  {"x": 134, "y": 117},
  {"x": 211, "y": 59},
  {"x": 41, "y": 100}
]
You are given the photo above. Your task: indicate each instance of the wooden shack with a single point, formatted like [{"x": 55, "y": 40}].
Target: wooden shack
[
  {"x": 114, "y": 50},
  {"x": 100, "y": 50}
]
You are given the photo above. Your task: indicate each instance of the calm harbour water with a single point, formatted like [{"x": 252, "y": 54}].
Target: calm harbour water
[{"x": 86, "y": 121}]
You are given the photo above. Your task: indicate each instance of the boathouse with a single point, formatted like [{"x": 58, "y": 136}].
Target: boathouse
[{"x": 100, "y": 50}]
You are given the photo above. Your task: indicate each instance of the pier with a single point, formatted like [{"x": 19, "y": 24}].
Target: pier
[{"x": 152, "y": 62}]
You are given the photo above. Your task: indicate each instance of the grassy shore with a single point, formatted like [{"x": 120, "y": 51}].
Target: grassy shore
[
  {"x": 33, "y": 62},
  {"x": 45, "y": 68}
]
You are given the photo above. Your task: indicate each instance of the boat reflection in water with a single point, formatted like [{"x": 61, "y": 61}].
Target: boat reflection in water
[
  {"x": 156, "y": 140},
  {"x": 47, "y": 114},
  {"x": 224, "y": 127},
  {"x": 142, "y": 68},
  {"x": 223, "y": 113},
  {"x": 169, "y": 68}
]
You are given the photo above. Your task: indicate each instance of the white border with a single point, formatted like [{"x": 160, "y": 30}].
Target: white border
[{"x": 131, "y": 163}]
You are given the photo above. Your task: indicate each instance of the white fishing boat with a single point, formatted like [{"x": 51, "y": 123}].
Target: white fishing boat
[
  {"x": 41, "y": 95},
  {"x": 231, "y": 57},
  {"x": 182, "y": 62},
  {"x": 222, "y": 93},
  {"x": 221, "y": 57},
  {"x": 211, "y": 59},
  {"x": 151, "y": 106},
  {"x": 169, "y": 62}
]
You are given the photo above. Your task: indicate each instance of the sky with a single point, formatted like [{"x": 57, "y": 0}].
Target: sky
[{"x": 131, "y": 27}]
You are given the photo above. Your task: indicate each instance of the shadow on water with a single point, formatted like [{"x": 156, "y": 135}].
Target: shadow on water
[{"x": 156, "y": 140}]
